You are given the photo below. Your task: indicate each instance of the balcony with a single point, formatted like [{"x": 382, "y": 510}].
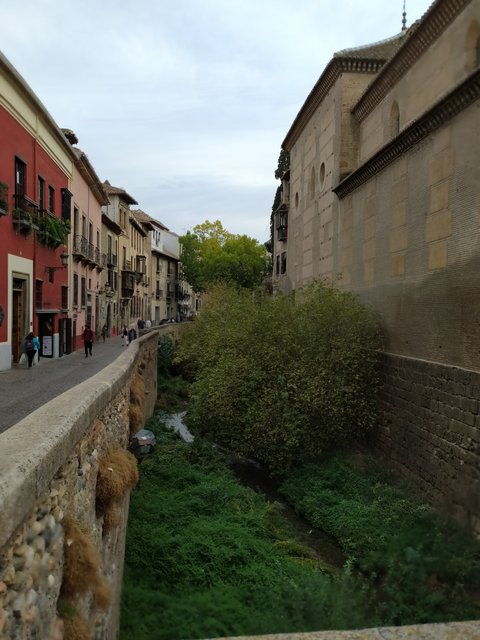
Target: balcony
[
  {"x": 80, "y": 248},
  {"x": 128, "y": 284},
  {"x": 25, "y": 214},
  {"x": 100, "y": 260},
  {"x": 112, "y": 260}
]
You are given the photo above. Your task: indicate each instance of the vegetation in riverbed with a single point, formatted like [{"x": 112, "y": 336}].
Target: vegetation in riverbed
[
  {"x": 172, "y": 388},
  {"x": 421, "y": 567},
  {"x": 206, "y": 557}
]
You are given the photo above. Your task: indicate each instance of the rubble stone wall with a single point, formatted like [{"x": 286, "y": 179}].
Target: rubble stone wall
[
  {"x": 430, "y": 432},
  {"x": 48, "y": 473}
]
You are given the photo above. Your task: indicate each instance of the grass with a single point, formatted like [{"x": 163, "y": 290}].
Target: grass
[
  {"x": 423, "y": 568},
  {"x": 206, "y": 557}
]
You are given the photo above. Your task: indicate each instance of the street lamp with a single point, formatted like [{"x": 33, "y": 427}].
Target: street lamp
[{"x": 64, "y": 259}]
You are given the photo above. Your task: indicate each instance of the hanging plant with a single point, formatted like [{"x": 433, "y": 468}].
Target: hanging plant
[
  {"x": 52, "y": 231},
  {"x": 22, "y": 220}
]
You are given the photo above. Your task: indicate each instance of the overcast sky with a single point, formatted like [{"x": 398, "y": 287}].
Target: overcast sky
[{"x": 185, "y": 103}]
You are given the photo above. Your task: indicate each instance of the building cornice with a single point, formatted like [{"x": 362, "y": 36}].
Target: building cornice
[
  {"x": 112, "y": 225},
  {"x": 332, "y": 72},
  {"x": 461, "y": 97},
  {"x": 90, "y": 176},
  {"x": 440, "y": 14},
  {"x": 20, "y": 83}
]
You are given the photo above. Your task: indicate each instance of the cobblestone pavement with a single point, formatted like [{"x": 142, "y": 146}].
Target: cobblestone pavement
[{"x": 22, "y": 390}]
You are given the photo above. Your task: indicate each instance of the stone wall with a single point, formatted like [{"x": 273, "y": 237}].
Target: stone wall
[
  {"x": 430, "y": 432},
  {"x": 48, "y": 475}
]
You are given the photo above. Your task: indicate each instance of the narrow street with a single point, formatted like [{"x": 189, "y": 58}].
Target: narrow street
[{"x": 23, "y": 390}]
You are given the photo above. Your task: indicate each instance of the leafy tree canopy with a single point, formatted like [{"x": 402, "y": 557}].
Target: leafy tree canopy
[
  {"x": 211, "y": 254},
  {"x": 252, "y": 358}
]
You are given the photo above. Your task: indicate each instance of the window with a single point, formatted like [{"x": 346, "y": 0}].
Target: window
[
  {"x": 277, "y": 266},
  {"x": 75, "y": 221},
  {"x": 41, "y": 193},
  {"x": 312, "y": 184},
  {"x": 90, "y": 232},
  {"x": 51, "y": 199},
  {"x": 83, "y": 293},
  {"x": 322, "y": 175},
  {"x": 84, "y": 226},
  {"x": 66, "y": 204},
  {"x": 64, "y": 297},
  {"x": 283, "y": 267},
  {"x": 20, "y": 181},
  {"x": 38, "y": 294},
  {"x": 394, "y": 120},
  {"x": 75, "y": 289}
]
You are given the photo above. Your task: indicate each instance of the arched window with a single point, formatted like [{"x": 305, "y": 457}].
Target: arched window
[
  {"x": 394, "y": 120},
  {"x": 472, "y": 45},
  {"x": 312, "y": 184},
  {"x": 322, "y": 175}
]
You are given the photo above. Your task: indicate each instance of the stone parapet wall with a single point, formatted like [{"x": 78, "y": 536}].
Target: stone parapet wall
[
  {"x": 48, "y": 475},
  {"x": 451, "y": 631},
  {"x": 430, "y": 432}
]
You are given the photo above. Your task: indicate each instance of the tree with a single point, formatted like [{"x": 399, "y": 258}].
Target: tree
[
  {"x": 282, "y": 379},
  {"x": 210, "y": 254}
]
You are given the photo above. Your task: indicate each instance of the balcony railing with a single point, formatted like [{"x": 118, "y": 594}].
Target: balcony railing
[
  {"x": 80, "y": 247},
  {"x": 112, "y": 259}
]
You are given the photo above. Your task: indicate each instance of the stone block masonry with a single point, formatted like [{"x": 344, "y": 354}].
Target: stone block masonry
[
  {"x": 48, "y": 471},
  {"x": 430, "y": 432}
]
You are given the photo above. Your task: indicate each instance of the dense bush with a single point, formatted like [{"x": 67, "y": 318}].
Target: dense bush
[
  {"x": 423, "y": 568},
  {"x": 283, "y": 378}
]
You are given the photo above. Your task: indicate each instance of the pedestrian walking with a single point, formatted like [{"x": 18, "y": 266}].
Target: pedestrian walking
[
  {"x": 104, "y": 332},
  {"x": 87, "y": 340},
  {"x": 30, "y": 347},
  {"x": 124, "y": 337}
]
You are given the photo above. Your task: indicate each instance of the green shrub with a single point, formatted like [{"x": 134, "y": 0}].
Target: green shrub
[
  {"x": 208, "y": 558},
  {"x": 423, "y": 568},
  {"x": 254, "y": 357}
]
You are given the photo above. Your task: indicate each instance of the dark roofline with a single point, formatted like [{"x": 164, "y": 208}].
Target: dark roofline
[
  {"x": 118, "y": 191},
  {"x": 422, "y": 33},
  {"x": 20, "y": 82},
  {"x": 111, "y": 224},
  {"x": 461, "y": 97},
  {"x": 90, "y": 176},
  {"x": 135, "y": 223},
  {"x": 331, "y": 73}
]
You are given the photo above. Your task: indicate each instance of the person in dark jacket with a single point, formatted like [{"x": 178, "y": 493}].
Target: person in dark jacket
[
  {"x": 31, "y": 345},
  {"x": 87, "y": 340}
]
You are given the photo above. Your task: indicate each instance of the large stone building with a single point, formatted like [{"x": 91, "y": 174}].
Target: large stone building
[{"x": 383, "y": 196}]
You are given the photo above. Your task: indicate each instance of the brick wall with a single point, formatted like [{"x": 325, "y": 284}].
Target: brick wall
[{"x": 430, "y": 432}]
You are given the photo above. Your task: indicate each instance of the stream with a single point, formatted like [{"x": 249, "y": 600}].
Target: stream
[{"x": 251, "y": 474}]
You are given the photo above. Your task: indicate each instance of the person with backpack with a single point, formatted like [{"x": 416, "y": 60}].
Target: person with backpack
[
  {"x": 87, "y": 340},
  {"x": 30, "y": 346}
]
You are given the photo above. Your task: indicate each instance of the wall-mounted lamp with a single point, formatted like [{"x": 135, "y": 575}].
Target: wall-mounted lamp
[{"x": 51, "y": 270}]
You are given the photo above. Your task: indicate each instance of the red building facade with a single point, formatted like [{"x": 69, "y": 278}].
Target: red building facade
[{"x": 36, "y": 164}]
